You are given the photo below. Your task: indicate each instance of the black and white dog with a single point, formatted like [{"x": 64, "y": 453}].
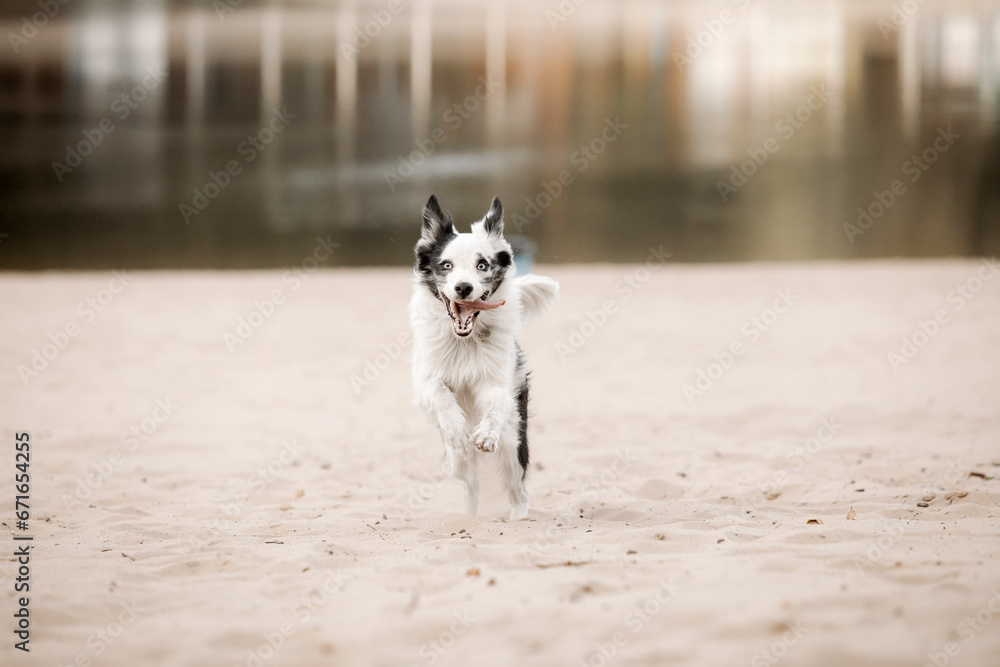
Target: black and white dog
[{"x": 469, "y": 373}]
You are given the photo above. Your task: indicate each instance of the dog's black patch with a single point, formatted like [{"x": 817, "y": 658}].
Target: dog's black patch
[
  {"x": 522, "y": 414},
  {"x": 437, "y": 231},
  {"x": 522, "y": 427},
  {"x": 498, "y": 270}
]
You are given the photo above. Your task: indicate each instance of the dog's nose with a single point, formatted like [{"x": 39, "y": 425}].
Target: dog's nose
[{"x": 463, "y": 290}]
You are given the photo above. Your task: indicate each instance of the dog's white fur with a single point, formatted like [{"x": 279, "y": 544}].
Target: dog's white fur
[{"x": 471, "y": 384}]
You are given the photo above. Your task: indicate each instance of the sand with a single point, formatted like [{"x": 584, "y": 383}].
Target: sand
[{"x": 274, "y": 505}]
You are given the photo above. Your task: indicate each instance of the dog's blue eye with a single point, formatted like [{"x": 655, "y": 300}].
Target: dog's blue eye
[
  {"x": 446, "y": 266},
  {"x": 483, "y": 266}
]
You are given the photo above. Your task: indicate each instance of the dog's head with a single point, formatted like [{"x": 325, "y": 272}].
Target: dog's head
[{"x": 464, "y": 271}]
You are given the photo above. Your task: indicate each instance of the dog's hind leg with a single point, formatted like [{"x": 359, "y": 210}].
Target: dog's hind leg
[
  {"x": 522, "y": 426},
  {"x": 465, "y": 466},
  {"x": 513, "y": 476},
  {"x": 514, "y": 456}
]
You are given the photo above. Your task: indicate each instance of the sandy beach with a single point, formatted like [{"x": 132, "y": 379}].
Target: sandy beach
[{"x": 729, "y": 464}]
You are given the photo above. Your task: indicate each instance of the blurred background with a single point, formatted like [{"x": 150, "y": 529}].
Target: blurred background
[{"x": 232, "y": 133}]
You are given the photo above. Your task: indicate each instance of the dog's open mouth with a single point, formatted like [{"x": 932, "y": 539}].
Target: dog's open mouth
[{"x": 464, "y": 313}]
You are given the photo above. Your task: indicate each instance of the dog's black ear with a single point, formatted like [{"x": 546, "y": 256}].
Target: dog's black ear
[
  {"x": 436, "y": 221},
  {"x": 493, "y": 222},
  {"x": 435, "y": 233}
]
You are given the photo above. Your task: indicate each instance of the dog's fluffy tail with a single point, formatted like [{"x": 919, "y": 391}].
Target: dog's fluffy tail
[{"x": 537, "y": 292}]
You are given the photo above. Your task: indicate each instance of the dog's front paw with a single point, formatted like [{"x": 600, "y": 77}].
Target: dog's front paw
[
  {"x": 455, "y": 436},
  {"x": 486, "y": 437}
]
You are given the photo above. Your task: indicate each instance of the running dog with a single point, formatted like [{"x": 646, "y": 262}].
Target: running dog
[{"x": 469, "y": 373}]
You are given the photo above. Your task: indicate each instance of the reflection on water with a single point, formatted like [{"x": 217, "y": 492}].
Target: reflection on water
[{"x": 147, "y": 134}]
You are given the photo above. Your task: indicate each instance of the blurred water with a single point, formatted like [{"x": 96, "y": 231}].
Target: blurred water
[{"x": 155, "y": 134}]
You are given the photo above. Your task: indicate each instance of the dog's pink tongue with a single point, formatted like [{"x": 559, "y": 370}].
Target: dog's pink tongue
[{"x": 469, "y": 307}]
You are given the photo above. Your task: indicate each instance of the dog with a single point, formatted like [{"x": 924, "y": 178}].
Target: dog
[{"x": 469, "y": 373}]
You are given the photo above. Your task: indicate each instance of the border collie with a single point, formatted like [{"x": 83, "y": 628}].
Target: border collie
[{"x": 469, "y": 373}]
